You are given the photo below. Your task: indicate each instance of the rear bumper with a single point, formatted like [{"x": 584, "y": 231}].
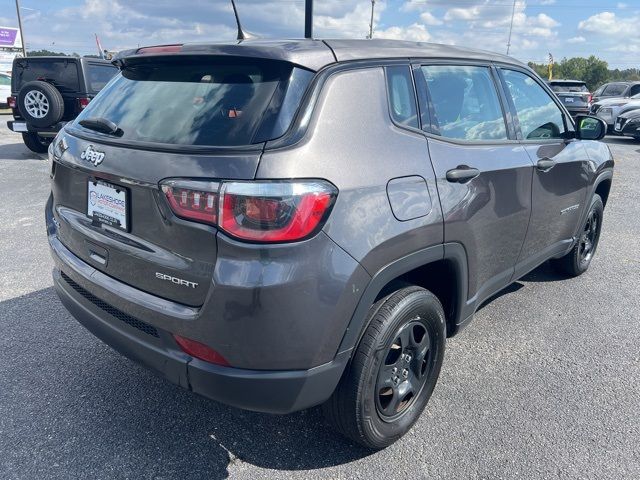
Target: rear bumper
[
  {"x": 258, "y": 390},
  {"x": 21, "y": 126},
  {"x": 108, "y": 314}
]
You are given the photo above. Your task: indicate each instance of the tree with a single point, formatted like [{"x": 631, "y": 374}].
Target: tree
[
  {"x": 593, "y": 71},
  {"x": 48, "y": 53}
]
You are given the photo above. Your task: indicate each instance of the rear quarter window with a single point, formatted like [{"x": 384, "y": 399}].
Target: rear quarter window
[
  {"x": 402, "y": 99},
  {"x": 63, "y": 74},
  {"x": 97, "y": 76},
  {"x": 5, "y": 80},
  {"x": 204, "y": 102}
]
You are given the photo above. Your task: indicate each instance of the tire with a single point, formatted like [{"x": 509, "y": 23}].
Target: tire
[
  {"x": 577, "y": 261},
  {"x": 40, "y": 103},
  {"x": 36, "y": 143},
  {"x": 374, "y": 405}
]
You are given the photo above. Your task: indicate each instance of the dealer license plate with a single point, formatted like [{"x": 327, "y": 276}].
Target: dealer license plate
[{"x": 107, "y": 204}]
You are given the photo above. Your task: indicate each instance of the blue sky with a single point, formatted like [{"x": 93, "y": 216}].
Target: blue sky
[{"x": 608, "y": 29}]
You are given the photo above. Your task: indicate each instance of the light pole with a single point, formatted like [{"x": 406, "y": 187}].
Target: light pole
[{"x": 24, "y": 43}]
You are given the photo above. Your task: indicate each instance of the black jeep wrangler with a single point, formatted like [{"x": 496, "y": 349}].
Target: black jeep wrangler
[{"x": 47, "y": 92}]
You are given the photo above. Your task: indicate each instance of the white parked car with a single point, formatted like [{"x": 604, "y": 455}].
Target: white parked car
[{"x": 5, "y": 89}]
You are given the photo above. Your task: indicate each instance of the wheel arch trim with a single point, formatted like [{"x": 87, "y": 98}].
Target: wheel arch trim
[{"x": 454, "y": 252}]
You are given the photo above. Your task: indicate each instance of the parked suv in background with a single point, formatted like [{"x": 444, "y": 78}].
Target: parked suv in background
[
  {"x": 283, "y": 224},
  {"x": 608, "y": 109},
  {"x": 616, "y": 89},
  {"x": 5, "y": 89},
  {"x": 47, "y": 92},
  {"x": 574, "y": 94}
]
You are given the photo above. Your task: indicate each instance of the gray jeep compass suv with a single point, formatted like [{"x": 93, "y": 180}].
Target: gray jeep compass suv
[{"x": 282, "y": 224}]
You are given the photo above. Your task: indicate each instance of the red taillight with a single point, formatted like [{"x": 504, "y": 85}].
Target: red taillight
[
  {"x": 200, "y": 351},
  {"x": 268, "y": 212},
  {"x": 83, "y": 102},
  {"x": 589, "y": 98},
  {"x": 273, "y": 212},
  {"x": 192, "y": 204},
  {"x": 11, "y": 101}
]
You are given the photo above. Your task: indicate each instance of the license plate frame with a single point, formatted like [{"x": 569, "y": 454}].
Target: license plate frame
[
  {"x": 108, "y": 204},
  {"x": 20, "y": 127}
]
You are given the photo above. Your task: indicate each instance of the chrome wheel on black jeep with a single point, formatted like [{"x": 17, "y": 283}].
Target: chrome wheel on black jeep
[{"x": 40, "y": 103}]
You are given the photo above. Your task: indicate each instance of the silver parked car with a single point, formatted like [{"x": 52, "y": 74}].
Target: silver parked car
[{"x": 610, "y": 108}]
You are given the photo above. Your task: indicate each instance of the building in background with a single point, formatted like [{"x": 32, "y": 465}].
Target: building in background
[{"x": 10, "y": 47}]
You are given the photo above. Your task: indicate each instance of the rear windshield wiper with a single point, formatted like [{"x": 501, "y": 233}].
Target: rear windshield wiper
[{"x": 101, "y": 125}]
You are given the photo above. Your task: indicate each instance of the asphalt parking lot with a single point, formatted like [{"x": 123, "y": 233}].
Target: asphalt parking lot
[{"x": 545, "y": 383}]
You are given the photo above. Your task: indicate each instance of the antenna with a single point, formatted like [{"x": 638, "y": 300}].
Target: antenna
[
  {"x": 373, "y": 6},
  {"x": 513, "y": 13},
  {"x": 242, "y": 35},
  {"x": 308, "y": 19}
]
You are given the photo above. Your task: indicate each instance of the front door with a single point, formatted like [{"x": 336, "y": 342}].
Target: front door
[{"x": 560, "y": 173}]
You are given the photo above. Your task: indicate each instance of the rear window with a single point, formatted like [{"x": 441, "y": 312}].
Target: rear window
[
  {"x": 615, "y": 89},
  {"x": 99, "y": 75},
  {"x": 5, "y": 80},
  {"x": 569, "y": 87},
  {"x": 63, "y": 74},
  {"x": 205, "y": 102}
]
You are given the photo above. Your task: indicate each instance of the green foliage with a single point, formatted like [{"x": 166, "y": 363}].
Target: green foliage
[
  {"x": 593, "y": 71},
  {"x": 48, "y": 53}
]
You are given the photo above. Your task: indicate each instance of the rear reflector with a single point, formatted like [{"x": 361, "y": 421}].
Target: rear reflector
[
  {"x": 11, "y": 101},
  {"x": 264, "y": 212},
  {"x": 200, "y": 351}
]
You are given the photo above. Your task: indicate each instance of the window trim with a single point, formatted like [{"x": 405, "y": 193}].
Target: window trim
[
  {"x": 568, "y": 125},
  {"x": 434, "y": 130}
]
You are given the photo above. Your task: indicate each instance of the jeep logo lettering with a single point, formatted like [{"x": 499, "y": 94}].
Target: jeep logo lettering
[
  {"x": 92, "y": 156},
  {"x": 176, "y": 280}
]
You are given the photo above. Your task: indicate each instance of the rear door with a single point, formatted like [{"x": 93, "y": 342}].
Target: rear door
[
  {"x": 561, "y": 169},
  {"x": 482, "y": 172}
]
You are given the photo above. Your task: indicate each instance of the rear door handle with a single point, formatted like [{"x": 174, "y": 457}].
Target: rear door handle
[
  {"x": 546, "y": 164},
  {"x": 462, "y": 173}
]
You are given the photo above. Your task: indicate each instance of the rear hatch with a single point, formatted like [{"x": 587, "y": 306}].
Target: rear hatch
[
  {"x": 573, "y": 94},
  {"x": 177, "y": 117}
]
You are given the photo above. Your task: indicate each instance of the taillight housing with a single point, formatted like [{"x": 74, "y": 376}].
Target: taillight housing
[
  {"x": 83, "y": 102},
  {"x": 11, "y": 101},
  {"x": 256, "y": 211}
]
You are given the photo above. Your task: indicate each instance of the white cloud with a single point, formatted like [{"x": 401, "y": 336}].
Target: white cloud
[
  {"x": 429, "y": 19},
  {"x": 415, "y": 32},
  {"x": 578, "y": 39}
]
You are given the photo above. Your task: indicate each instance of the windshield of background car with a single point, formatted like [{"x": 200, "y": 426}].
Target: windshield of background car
[
  {"x": 63, "y": 74},
  {"x": 99, "y": 75},
  {"x": 208, "y": 101},
  {"x": 567, "y": 87}
]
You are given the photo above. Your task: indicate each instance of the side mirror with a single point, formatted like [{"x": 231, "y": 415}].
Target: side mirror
[{"x": 590, "y": 128}]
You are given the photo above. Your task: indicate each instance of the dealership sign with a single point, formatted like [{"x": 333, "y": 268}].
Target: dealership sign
[{"x": 10, "y": 37}]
